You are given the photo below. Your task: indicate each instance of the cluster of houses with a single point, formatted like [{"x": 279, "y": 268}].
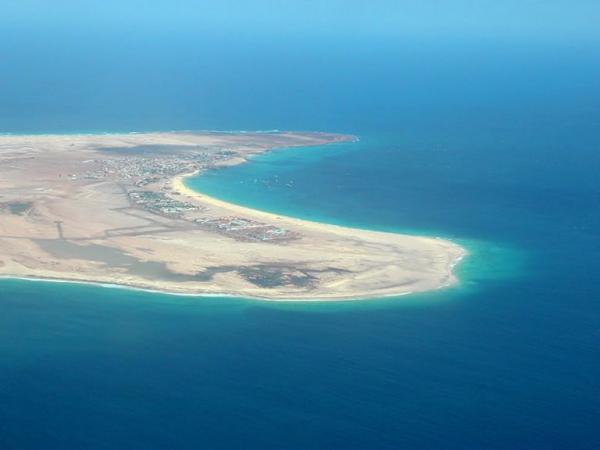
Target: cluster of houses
[
  {"x": 246, "y": 229},
  {"x": 159, "y": 203}
]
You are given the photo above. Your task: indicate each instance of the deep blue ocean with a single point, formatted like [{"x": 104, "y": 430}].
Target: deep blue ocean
[{"x": 495, "y": 144}]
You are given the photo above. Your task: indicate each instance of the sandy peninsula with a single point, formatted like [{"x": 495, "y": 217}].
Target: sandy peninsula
[{"x": 114, "y": 209}]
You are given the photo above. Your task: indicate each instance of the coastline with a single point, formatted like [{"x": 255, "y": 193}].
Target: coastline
[
  {"x": 178, "y": 185},
  {"x": 378, "y": 263},
  {"x": 132, "y": 287}
]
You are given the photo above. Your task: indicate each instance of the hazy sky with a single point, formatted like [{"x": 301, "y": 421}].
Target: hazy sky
[{"x": 556, "y": 19}]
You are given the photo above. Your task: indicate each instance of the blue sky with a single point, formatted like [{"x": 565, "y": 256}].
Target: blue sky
[{"x": 555, "y": 19}]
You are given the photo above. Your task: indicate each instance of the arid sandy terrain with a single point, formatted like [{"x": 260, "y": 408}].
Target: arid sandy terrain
[{"x": 113, "y": 208}]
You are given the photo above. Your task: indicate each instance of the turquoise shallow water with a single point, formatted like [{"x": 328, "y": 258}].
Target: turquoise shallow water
[{"x": 487, "y": 143}]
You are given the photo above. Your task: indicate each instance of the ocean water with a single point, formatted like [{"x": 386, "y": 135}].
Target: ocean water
[{"x": 493, "y": 144}]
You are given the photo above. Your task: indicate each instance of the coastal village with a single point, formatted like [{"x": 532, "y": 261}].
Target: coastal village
[
  {"x": 145, "y": 180},
  {"x": 247, "y": 230}
]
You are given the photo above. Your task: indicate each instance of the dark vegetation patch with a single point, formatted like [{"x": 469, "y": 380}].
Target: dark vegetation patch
[
  {"x": 16, "y": 208},
  {"x": 273, "y": 275}
]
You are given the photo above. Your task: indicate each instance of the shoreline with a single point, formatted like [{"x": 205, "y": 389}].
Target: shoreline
[
  {"x": 129, "y": 287},
  {"x": 178, "y": 185},
  {"x": 399, "y": 277},
  {"x": 8, "y": 134}
]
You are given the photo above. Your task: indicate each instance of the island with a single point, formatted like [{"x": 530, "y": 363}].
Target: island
[{"x": 114, "y": 209}]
